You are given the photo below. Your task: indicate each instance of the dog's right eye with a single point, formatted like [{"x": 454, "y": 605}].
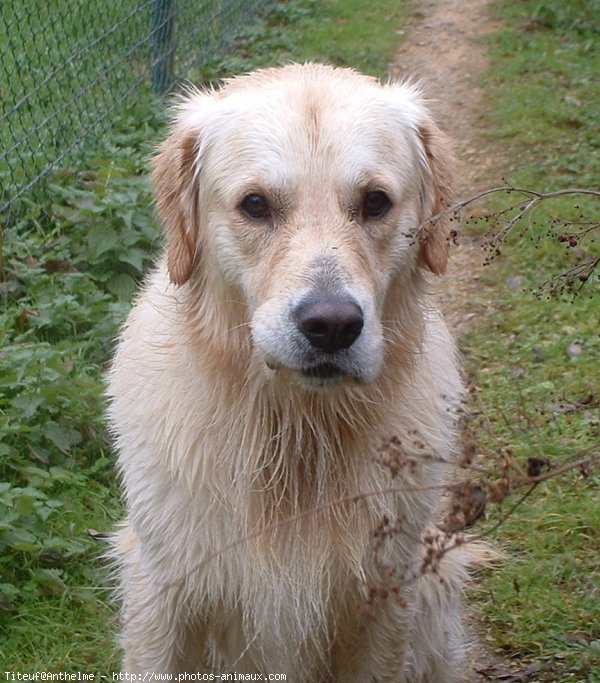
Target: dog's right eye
[{"x": 255, "y": 206}]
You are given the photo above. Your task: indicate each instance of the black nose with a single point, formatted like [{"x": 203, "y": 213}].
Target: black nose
[{"x": 330, "y": 322}]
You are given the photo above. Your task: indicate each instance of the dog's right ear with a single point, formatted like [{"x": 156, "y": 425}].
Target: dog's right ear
[{"x": 175, "y": 179}]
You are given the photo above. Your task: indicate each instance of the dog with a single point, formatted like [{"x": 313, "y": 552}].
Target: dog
[{"x": 285, "y": 394}]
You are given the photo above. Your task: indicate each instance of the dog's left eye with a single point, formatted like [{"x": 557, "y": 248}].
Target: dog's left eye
[
  {"x": 255, "y": 206},
  {"x": 376, "y": 204}
]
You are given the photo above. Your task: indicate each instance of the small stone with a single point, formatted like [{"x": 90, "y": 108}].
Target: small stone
[
  {"x": 515, "y": 282},
  {"x": 573, "y": 101},
  {"x": 538, "y": 355}
]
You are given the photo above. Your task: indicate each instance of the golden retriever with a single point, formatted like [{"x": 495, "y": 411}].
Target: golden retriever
[{"x": 286, "y": 336}]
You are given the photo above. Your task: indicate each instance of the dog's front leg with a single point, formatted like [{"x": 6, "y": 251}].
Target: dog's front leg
[
  {"x": 375, "y": 650},
  {"x": 158, "y": 634},
  {"x": 386, "y": 644}
]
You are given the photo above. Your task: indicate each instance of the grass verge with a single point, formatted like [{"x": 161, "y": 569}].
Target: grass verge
[{"x": 534, "y": 359}]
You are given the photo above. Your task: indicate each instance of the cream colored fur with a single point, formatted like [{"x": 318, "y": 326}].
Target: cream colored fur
[{"x": 249, "y": 543}]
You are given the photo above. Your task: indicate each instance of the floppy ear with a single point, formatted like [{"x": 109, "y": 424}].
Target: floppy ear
[
  {"x": 175, "y": 186},
  {"x": 436, "y": 234}
]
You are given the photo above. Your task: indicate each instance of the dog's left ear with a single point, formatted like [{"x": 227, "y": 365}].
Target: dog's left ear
[{"x": 437, "y": 195}]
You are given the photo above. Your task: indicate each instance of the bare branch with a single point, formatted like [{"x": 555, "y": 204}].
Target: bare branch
[{"x": 573, "y": 231}]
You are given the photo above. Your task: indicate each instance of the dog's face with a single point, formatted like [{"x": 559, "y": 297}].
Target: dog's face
[{"x": 303, "y": 189}]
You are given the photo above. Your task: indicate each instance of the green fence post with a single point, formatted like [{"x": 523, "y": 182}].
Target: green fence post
[{"x": 163, "y": 45}]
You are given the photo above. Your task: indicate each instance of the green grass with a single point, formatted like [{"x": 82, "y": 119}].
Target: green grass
[
  {"x": 341, "y": 32},
  {"x": 350, "y": 33},
  {"x": 549, "y": 55},
  {"x": 71, "y": 260},
  {"x": 542, "y": 603},
  {"x": 536, "y": 349}
]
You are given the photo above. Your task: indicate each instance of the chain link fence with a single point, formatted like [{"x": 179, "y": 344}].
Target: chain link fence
[{"x": 67, "y": 65}]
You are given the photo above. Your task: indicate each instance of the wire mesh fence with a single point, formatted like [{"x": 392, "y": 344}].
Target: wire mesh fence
[{"x": 67, "y": 65}]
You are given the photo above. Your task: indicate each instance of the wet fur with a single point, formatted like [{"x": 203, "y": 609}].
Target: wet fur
[{"x": 248, "y": 544}]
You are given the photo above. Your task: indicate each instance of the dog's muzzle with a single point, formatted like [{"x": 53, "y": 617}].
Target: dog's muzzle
[{"x": 325, "y": 337}]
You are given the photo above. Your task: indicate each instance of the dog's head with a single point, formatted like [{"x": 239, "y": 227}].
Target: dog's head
[{"x": 306, "y": 191}]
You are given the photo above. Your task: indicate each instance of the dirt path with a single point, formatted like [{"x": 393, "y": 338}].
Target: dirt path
[{"x": 444, "y": 47}]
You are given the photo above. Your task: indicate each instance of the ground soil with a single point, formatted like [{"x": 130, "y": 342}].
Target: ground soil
[{"x": 444, "y": 47}]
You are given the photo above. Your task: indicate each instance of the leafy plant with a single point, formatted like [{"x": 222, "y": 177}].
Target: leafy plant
[{"x": 70, "y": 266}]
